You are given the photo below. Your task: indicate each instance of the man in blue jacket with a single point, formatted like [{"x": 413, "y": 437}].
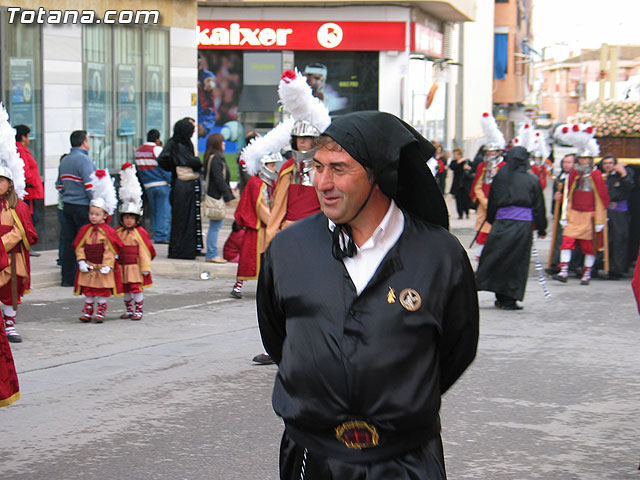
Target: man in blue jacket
[{"x": 74, "y": 182}]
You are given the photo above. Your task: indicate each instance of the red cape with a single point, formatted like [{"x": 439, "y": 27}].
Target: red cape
[
  {"x": 635, "y": 283},
  {"x": 246, "y": 213},
  {"x": 29, "y": 237},
  {"x": 246, "y": 216},
  {"x": 479, "y": 174},
  {"x": 541, "y": 173}
]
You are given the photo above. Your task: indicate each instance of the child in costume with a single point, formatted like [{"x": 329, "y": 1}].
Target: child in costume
[
  {"x": 97, "y": 246},
  {"x": 137, "y": 250},
  {"x": 16, "y": 230}
]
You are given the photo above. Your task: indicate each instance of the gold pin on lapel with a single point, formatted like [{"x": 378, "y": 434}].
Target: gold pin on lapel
[
  {"x": 391, "y": 296},
  {"x": 410, "y": 299}
]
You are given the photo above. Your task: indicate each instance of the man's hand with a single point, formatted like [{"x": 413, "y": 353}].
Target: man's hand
[
  {"x": 83, "y": 266},
  {"x": 105, "y": 269},
  {"x": 599, "y": 227},
  {"x": 620, "y": 168},
  {"x": 557, "y": 196}
]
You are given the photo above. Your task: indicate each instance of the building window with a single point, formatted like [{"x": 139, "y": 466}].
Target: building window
[
  {"x": 97, "y": 61},
  {"x": 118, "y": 61},
  {"x": 22, "y": 80},
  {"x": 500, "y": 55}
]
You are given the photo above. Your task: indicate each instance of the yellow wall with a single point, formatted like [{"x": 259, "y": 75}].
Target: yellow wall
[{"x": 173, "y": 13}]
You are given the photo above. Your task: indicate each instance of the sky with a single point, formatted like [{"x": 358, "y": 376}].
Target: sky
[{"x": 585, "y": 23}]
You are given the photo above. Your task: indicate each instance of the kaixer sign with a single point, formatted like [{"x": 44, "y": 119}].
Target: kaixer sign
[{"x": 301, "y": 35}]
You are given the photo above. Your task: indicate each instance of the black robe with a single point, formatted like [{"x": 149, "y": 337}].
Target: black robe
[
  {"x": 504, "y": 263},
  {"x": 347, "y": 357},
  {"x": 618, "y": 225},
  {"x": 186, "y": 230}
]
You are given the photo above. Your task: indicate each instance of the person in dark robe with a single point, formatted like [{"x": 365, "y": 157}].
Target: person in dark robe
[
  {"x": 369, "y": 309},
  {"x": 619, "y": 182},
  {"x": 515, "y": 202},
  {"x": 179, "y": 158},
  {"x": 462, "y": 180}
]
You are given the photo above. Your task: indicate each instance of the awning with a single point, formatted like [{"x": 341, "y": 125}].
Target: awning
[{"x": 258, "y": 98}]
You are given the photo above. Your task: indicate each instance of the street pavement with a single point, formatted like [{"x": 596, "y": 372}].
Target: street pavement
[{"x": 554, "y": 392}]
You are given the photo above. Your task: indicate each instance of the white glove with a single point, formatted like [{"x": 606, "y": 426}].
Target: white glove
[
  {"x": 83, "y": 266},
  {"x": 106, "y": 269},
  {"x": 599, "y": 227},
  {"x": 145, "y": 273},
  {"x": 563, "y": 223}
]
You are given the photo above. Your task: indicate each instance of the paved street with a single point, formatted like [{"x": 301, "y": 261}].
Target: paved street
[{"x": 554, "y": 392}]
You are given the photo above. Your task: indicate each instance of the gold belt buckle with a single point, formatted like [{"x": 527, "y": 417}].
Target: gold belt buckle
[{"x": 357, "y": 434}]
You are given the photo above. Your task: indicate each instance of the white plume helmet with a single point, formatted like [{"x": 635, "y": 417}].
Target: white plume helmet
[
  {"x": 491, "y": 131},
  {"x": 297, "y": 98},
  {"x": 538, "y": 146},
  {"x": 130, "y": 192},
  {"x": 524, "y": 137},
  {"x": 274, "y": 141},
  {"x": 579, "y": 135},
  {"x": 11, "y": 165},
  {"x": 104, "y": 193}
]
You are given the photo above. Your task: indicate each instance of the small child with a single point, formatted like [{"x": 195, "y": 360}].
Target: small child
[
  {"x": 16, "y": 231},
  {"x": 97, "y": 246},
  {"x": 137, "y": 251}
]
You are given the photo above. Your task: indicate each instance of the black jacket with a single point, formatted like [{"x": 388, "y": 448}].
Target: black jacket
[
  {"x": 219, "y": 175},
  {"x": 345, "y": 357}
]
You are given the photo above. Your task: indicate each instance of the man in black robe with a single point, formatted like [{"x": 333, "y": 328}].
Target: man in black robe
[
  {"x": 515, "y": 202},
  {"x": 619, "y": 182},
  {"x": 369, "y": 309}
]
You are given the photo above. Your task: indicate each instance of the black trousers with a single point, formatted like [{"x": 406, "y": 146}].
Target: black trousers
[{"x": 75, "y": 216}]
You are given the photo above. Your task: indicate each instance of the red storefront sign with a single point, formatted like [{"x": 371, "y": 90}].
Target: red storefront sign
[
  {"x": 426, "y": 40},
  {"x": 280, "y": 35}
]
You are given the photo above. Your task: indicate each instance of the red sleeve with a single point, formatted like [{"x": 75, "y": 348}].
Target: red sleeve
[
  {"x": 147, "y": 241},
  {"x": 479, "y": 173},
  {"x": 22, "y": 210}
]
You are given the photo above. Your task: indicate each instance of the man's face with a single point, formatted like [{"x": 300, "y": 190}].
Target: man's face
[
  {"x": 342, "y": 184},
  {"x": 304, "y": 144},
  {"x": 568, "y": 163},
  {"x": 607, "y": 165},
  {"x": 584, "y": 161},
  {"x": 315, "y": 80}
]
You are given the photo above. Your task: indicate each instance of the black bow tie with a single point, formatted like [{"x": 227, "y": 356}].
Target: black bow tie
[{"x": 343, "y": 247}]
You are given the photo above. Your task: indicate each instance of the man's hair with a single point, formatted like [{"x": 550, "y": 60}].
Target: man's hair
[
  {"x": 21, "y": 131},
  {"x": 78, "y": 137},
  {"x": 327, "y": 143},
  {"x": 572, "y": 155},
  {"x": 458, "y": 151},
  {"x": 607, "y": 157},
  {"x": 153, "y": 135}
]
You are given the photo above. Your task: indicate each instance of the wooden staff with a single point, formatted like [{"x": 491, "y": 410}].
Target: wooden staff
[
  {"x": 554, "y": 233},
  {"x": 14, "y": 282}
]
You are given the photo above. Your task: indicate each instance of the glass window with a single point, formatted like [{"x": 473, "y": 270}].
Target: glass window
[
  {"x": 156, "y": 81},
  {"x": 98, "y": 93},
  {"x": 22, "y": 70},
  {"x": 128, "y": 64}
]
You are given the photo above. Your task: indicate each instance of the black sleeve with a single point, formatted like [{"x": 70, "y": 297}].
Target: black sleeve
[
  {"x": 217, "y": 168},
  {"x": 539, "y": 213},
  {"x": 164, "y": 159},
  {"x": 271, "y": 318},
  {"x": 497, "y": 190},
  {"x": 460, "y": 326}
]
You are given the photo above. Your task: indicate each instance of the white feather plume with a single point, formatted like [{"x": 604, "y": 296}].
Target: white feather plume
[
  {"x": 297, "y": 98},
  {"x": 273, "y": 141},
  {"x": 129, "y": 190},
  {"x": 580, "y": 136},
  {"x": 491, "y": 130},
  {"x": 9, "y": 154},
  {"x": 104, "y": 193},
  {"x": 538, "y": 145}
]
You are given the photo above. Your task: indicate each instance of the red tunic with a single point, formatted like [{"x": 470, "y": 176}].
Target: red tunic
[
  {"x": 541, "y": 173},
  {"x": 106, "y": 284},
  {"x": 248, "y": 215},
  {"x": 134, "y": 258}
]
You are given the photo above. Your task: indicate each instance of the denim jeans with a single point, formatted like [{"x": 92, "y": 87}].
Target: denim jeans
[
  {"x": 75, "y": 217},
  {"x": 161, "y": 212},
  {"x": 212, "y": 238}
]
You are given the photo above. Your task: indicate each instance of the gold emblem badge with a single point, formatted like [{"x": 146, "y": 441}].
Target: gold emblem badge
[
  {"x": 410, "y": 299},
  {"x": 357, "y": 434},
  {"x": 391, "y": 296}
]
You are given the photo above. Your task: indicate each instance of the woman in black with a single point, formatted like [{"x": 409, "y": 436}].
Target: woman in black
[
  {"x": 217, "y": 186},
  {"x": 462, "y": 181},
  {"x": 178, "y": 157}
]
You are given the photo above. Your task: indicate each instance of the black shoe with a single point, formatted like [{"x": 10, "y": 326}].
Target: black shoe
[
  {"x": 200, "y": 254},
  {"x": 552, "y": 270},
  {"x": 66, "y": 284},
  {"x": 236, "y": 294},
  {"x": 511, "y": 306},
  {"x": 263, "y": 359},
  {"x": 33, "y": 254},
  {"x": 497, "y": 304},
  {"x": 584, "y": 282},
  {"x": 560, "y": 278}
]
